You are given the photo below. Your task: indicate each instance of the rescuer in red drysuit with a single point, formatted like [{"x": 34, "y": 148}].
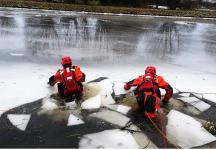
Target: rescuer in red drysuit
[
  {"x": 148, "y": 93},
  {"x": 69, "y": 80}
]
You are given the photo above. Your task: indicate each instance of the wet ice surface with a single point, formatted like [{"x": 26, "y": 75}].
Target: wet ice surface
[{"x": 186, "y": 131}]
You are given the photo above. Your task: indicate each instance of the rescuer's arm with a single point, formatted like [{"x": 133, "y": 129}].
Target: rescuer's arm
[
  {"x": 79, "y": 75},
  {"x": 164, "y": 85},
  {"x": 134, "y": 82},
  {"x": 54, "y": 78}
]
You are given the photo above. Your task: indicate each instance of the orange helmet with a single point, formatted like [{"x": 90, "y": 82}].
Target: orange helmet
[
  {"x": 151, "y": 70},
  {"x": 66, "y": 60}
]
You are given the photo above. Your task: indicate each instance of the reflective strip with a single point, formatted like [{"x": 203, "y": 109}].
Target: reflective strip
[
  {"x": 61, "y": 72},
  {"x": 68, "y": 69},
  {"x": 69, "y": 78},
  {"x": 148, "y": 77}
]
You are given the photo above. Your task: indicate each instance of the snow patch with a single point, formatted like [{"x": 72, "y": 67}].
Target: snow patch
[
  {"x": 19, "y": 121},
  {"x": 210, "y": 97},
  {"x": 200, "y": 105},
  {"x": 92, "y": 103},
  {"x": 73, "y": 120},
  {"x": 186, "y": 131},
  {"x": 112, "y": 117},
  {"x": 108, "y": 139}
]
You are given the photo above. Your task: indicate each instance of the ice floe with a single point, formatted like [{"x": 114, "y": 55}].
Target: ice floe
[
  {"x": 185, "y": 131},
  {"x": 20, "y": 121},
  {"x": 119, "y": 88},
  {"x": 200, "y": 105},
  {"x": 49, "y": 104},
  {"x": 92, "y": 103},
  {"x": 106, "y": 87},
  {"x": 73, "y": 120},
  {"x": 210, "y": 97},
  {"x": 185, "y": 94},
  {"x": 108, "y": 139},
  {"x": 119, "y": 108},
  {"x": 112, "y": 117}
]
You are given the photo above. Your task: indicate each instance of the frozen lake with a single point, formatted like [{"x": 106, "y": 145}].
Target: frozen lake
[{"x": 116, "y": 46}]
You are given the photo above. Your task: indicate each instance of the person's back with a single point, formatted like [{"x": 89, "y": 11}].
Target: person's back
[
  {"x": 68, "y": 80},
  {"x": 148, "y": 92}
]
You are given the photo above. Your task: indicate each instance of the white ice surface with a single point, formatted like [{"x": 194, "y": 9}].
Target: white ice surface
[
  {"x": 108, "y": 139},
  {"x": 20, "y": 121},
  {"x": 73, "y": 120},
  {"x": 200, "y": 105},
  {"x": 186, "y": 131},
  {"x": 210, "y": 97},
  {"x": 92, "y": 103},
  {"x": 116, "y": 118}
]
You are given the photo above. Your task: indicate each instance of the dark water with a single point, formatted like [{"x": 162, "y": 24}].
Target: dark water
[{"x": 43, "y": 36}]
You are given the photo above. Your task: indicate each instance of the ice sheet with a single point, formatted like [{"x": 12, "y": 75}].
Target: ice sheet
[
  {"x": 186, "y": 131},
  {"x": 200, "y": 105},
  {"x": 108, "y": 139},
  {"x": 73, "y": 120},
  {"x": 19, "y": 120}
]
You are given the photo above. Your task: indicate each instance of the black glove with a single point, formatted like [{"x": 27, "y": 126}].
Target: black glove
[{"x": 51, "y": 80}]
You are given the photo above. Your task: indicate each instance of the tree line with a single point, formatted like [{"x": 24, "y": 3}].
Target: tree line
[{"x": 171, "y": 4}]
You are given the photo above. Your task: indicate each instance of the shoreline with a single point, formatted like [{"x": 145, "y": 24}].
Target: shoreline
[{"x": 110, "y": 10}]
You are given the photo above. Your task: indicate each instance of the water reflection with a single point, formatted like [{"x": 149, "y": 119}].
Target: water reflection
[
  {"x": 168, "y": 38},
  {"x": 99, "y": 39}
]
